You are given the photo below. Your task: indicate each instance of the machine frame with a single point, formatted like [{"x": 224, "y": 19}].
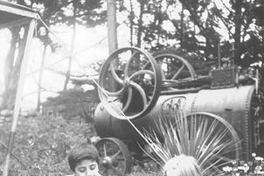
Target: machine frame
[{"x": 167, "y": 82}]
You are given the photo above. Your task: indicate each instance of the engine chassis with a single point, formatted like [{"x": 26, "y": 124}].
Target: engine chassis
[{"x": 220, "y": 94}]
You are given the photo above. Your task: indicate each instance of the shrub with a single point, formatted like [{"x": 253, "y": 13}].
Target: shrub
[
  {"x": 254, "y": 167},
  {"x": 42, "y": 144}
]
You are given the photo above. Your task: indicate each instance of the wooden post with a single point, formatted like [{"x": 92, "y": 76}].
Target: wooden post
[
  {"x": 68, "y": 74},
  {"x": 111, "y": 24},
  {"x": 219, "y": 56},
  {"x": 40, "y": 76},
  {"x": 19, "y": 95},
  {"x": 112, "y": 34}
]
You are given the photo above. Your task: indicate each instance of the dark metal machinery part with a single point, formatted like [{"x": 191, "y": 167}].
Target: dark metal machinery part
[
  {"x": 214, "y": 124},
  {"x": 256, "y": 112},
  {"x": 238, "y": 106},
  {"x": 182, "y": 69},
  {"x": 115, "y": 159},
  {"x": 125, "y": 68},
  {"x": 218, "y": 137},
  {"x": 235, "y": 105},
  {"x": 178, "y": 75}
]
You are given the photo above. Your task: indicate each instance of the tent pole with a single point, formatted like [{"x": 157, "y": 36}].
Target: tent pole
[{"x": 19, "y": 95}]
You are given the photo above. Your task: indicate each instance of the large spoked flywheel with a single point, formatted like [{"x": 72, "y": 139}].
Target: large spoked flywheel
[
  {"x": 215, "y": 142},
  {"x": 127, "y": 89},
  {"x": 115, "y": 159},
  {"x": 174, "y": 67}
]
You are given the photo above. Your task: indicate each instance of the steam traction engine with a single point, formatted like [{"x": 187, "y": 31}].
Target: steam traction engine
[{"x": 136, "y": 88}]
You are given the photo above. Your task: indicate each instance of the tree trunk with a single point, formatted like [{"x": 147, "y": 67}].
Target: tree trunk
[
  {"x": 40, "y": 77},
  {"x": 140, "y": 22},
  {"x": 12, "y": 67},
  {"x": 111, "y": 24},
  {"x": 182, "y": 26},
  {"x": 8, "y": 70},
  {"x": 132, "y": 16},
  {"x": 68, "y": 74},
  {"x": 112, "y": 34},
  {"x": 237, "y": 35}
]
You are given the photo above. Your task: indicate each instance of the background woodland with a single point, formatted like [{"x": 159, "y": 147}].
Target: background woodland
[{"x": 195, "y": 29}]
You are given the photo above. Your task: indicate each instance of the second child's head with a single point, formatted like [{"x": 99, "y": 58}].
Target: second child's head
[{"x": 182, "y": 165}]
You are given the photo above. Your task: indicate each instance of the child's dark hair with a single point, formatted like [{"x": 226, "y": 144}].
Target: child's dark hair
[{"x": 81, "y": 152}]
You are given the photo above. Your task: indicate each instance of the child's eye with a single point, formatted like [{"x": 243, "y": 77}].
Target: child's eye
[
  {"x": 82, "y": 169},
  {"x": 92, "y": 167}
]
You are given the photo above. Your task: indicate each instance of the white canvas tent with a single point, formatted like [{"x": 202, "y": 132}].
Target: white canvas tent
[{"x": 15, "y": 15}]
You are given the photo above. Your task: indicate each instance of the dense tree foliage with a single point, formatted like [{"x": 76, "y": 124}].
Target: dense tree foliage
[
  {"x": 192, "y": 28},
  {"x": 199, "y": 27},
  {"x": 42, "y": 144},
  {"x": 70, "y": 12}
]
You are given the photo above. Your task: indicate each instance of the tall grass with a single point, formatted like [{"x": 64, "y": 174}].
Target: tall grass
[{"x": 207, "y": 137}]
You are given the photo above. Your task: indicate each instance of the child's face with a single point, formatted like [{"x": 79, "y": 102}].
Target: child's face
[{"x": 87, "y": 168}]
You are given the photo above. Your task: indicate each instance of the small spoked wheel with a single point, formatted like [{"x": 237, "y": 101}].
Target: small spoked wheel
[
  {"x": 126, "y": 88},
  {"x": 115, "y": 159}
]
